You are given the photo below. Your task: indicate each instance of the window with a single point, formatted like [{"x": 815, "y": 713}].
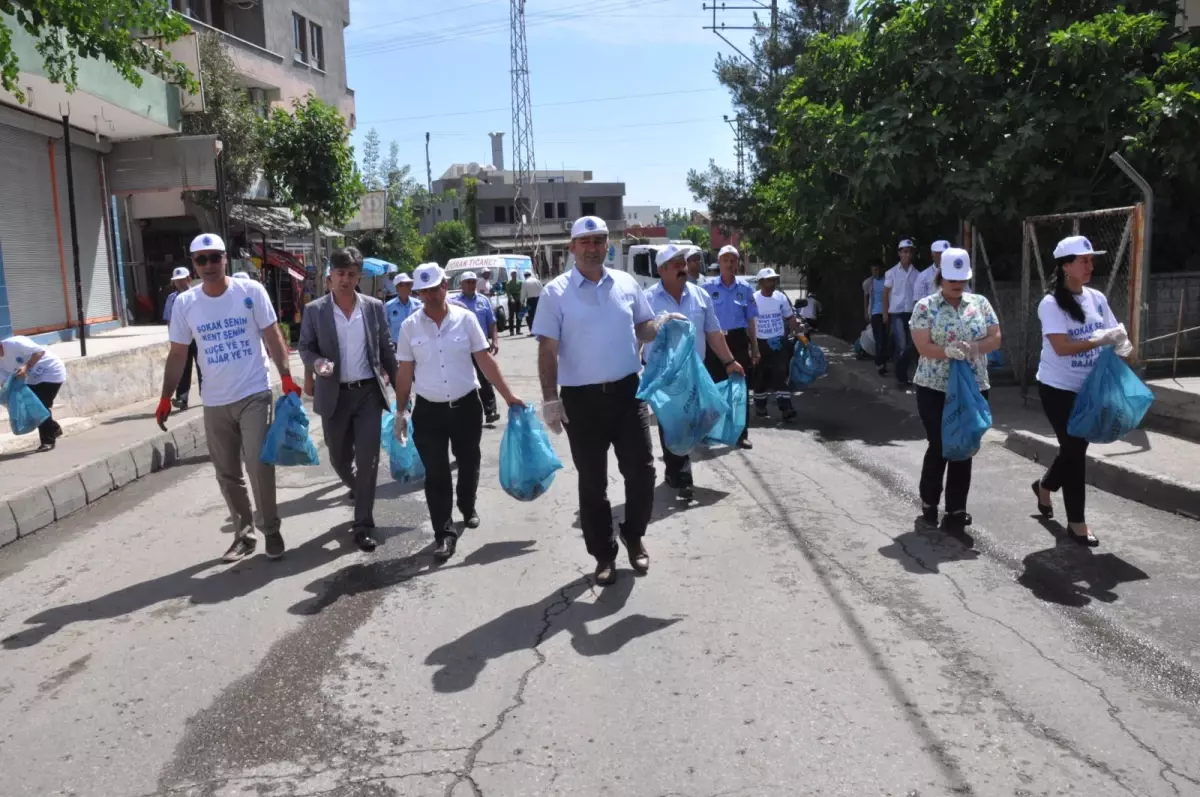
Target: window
[
  {"x": 562, "y": 210},
  {"x": 498, "y": 214},
  {"x": 317, "y": 48},
  {"x": 549, "y": 210},
  {"x": 588, "y": 208},
  {"x": 456, "y": 214},
  {"x": 299, "y": 38},
  {"x": 642, "y": 266}
]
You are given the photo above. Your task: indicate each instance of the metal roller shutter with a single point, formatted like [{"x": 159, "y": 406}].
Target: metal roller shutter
[
  {"x": 93, "y": 232},
  {"x": 32, "y": 267}
]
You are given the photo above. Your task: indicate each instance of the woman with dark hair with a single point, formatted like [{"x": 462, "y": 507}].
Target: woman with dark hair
[
  {"x": 950, "y": 324},
  {"x": 1076, "y": 322}
]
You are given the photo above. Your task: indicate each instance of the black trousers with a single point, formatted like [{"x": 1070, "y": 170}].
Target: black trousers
[
  {"x": 771, "y": 376},
  {"x": 1069, "y": 470},
  {"x": 936, "y": 468},
  {"x": 439, "y": 429},
  {"x": 880, "y": 331},
  {"x": 679, "y": 469},
  {"x": 486, "y": 392},
  {"x": 352, "y": 437},
  {"x": 514, "y": 317},
  {"x": 49, "y": 430},
  {"x": 185, "y": 381},
  {"x": 531, "y": 307},
  {"x": 739, "y": 346},
  {"x": 602, "y": 417}
]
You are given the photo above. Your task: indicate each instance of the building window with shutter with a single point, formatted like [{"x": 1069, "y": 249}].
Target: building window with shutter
[
  {"x": 562, "y": 210},
  {"x": 588, "y": 208},
  {"x": 317, "y": 48},
  {"x": 549, "y": 210},
  {"x": 299, "y": 38}
]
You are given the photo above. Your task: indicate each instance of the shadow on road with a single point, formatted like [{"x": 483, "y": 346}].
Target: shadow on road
[
  {"x": 923, "y": 550},
  {"x": 1070, "y": 574},
  {"x": 460, "y": 662}
]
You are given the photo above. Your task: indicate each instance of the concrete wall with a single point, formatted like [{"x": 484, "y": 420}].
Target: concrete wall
[{"x": 1166, "y": 290}]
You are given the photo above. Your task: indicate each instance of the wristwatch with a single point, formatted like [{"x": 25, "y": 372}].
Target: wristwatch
[{"x": 730, "y": 362}]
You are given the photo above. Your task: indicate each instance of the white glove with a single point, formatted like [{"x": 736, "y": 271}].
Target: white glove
[
  {"x": 323, "y": 367},
  {"x": 1116, "y": 337},
  {"x": 555, "y": 415},
  {"x": 400, "y": 429},
  {"x": 956, "y": 351}
]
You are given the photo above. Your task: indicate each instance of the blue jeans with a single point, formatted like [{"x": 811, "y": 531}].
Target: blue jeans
[{"x": 903, "y": 345}]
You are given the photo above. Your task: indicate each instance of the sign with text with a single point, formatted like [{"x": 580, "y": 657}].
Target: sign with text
[{"x": 372, "y": 213}]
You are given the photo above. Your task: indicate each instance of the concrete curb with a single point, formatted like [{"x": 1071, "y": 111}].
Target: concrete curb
[
  {"x": 1127, "y": 481},
  {"x": 38, "y": 507}
]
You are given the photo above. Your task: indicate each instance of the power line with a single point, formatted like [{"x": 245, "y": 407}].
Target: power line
[
  {"x": 444, "y": 11},
  {"x": 541, "y": 105}
]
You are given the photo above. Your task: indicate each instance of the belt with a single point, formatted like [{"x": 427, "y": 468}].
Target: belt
[
  {"x": 607, "y": 387},
  {"x": 450, "y": 404},
  {"x": 356, "y": 385}
]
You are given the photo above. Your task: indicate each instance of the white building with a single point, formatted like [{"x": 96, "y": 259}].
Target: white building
[{"x": 643, "y": 215}]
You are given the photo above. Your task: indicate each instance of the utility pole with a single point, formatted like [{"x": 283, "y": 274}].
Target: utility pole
[
  {"x": 525, "y": 203},
  {"x": 428, "y": 167},
  {"x": 758, "y": 5},
  {"x": 738, "y": 145}
]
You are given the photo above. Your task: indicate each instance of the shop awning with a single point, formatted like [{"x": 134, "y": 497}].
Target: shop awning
[
  {"x": 276, "y": 222},
  {"x": 510, "y": 244}
]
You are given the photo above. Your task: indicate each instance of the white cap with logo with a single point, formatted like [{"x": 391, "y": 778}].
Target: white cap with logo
[
  {"x": 956, "y": 265},
  {"x": 1076, "y": 245},
  {"x": 669, "y": 253},
  {"x": 906, "y": 243},
  {"x": 693, "y": 251},
  {"x": 588, "y": 225},
  {"x": 401, "y": 279},
  {"x": 768, "y": 273},
  {"x": 939, "y": 246},
  {"x": 729, "y": 250},
  {"x": 181, "y": 273},
  {"x": 468, "y": 275},
  {"x": 207, "y": 242},
  {"x": 427, "y": 275}
]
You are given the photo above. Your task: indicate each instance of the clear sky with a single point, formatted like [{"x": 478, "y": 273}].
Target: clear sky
[{"x": 416, "y": 69}]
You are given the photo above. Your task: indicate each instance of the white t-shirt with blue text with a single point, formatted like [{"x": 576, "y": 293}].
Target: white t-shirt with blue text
[
  {"x": 228, "y": 333},
  {"x": 1070, "y": 372},
  {"x": 772, "y": 310}
]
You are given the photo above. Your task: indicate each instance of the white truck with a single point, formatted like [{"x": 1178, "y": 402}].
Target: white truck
[{"x": 497, "y": 269}]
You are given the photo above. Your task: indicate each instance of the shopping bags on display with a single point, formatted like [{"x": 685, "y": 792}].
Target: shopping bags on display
[
  {"x": 288, "y": 442},
  {"x": 527, "y": 460},
  {"x": 26, "y": 411},
  {"x": 1111, "y": 403},
  {"x": 808, "y": 364},
  {"x": 403, "y": 460},
  {"x": 729, "y": 427},
  {"x": 966, "y": 416},
  {"x": 679, "y": 389}
]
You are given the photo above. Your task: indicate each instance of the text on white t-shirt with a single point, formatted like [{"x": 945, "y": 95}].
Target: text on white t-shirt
[
  {"x": 771, "y": 312},
  {"x": 1071, "y": 371}
]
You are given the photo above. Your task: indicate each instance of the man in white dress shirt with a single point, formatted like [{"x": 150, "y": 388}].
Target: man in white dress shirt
[
  {"x": 437, "y": 351},
  {"x": 900, "y": 286},
  {"x": 531, "y": 292},
  {"x": 927, "y": 282}
]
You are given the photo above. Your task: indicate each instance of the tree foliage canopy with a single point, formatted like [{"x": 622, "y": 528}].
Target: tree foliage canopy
[
  {"x": 449, "y": 239},
  {"x": 698, "y": 235}
]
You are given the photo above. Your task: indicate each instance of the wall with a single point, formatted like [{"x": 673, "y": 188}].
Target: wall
[
  {"x": 332, "y": 16},
  {"x": 1166, "y": 290}
]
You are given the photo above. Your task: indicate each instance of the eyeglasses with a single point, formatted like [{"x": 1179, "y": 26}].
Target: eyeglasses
[{"x": 204, "y": 260}]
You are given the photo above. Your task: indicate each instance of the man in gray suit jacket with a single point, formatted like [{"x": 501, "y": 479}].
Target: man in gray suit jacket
[{"x": 346, "y": 341}]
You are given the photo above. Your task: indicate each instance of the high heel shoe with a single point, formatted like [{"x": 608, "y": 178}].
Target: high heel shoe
[{"x": 1045, "y": 510}]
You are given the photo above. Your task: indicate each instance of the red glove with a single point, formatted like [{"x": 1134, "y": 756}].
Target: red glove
[
  {"x": 164, "y": 409},
  {"x": 289, "y": 386}
]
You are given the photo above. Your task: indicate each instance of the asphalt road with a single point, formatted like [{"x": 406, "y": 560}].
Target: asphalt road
[{"x": 798, "y": 634}]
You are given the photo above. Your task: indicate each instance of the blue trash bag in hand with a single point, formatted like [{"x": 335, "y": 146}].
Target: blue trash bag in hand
[
  {"x": 527, "y": 460},
  {"x": 729, "y": 427},
  {"x": 403, "y": 460},
  {"x": 966, "y": 416},
  {"x": 288, "y": 442},
  {"x": 808, "y": 364},
  {"x": 26, "y": 411},
  {"x": 1111, "y": 403},
  {"x": 678, "y": 388}
]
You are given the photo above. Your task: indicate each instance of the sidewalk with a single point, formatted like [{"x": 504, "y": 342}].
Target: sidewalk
[
  {"x": 1147, "y": 466},
  {"x": 94, "y": 457}
]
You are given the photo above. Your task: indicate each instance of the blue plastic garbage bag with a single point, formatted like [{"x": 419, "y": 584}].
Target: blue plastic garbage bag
[
  {"x": 4, "y": 389},
  {"x": 808, "y": 364},
  {"x": 728, "y": 429},
  {"x": 26, "y": 411},
  {"x": 678, "y": 388},
  {"x": 288, "y": 442},
  {"x": 966, "y": 416},
  {"x": 403, "y": 460},
  {"x": 995, "y": 359},
  {"x": 527, "y": 460},
  {"x": 1111, "y": 403}
]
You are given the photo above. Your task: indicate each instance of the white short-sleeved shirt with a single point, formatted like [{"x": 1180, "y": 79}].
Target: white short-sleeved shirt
[
  {"x": 229, "y": 341},
  {"x": 695, "y": 303},
  {"x": 444, "y": 356},
  {"x": 17, "y": 352},
  {"x": 594, "y": 324},
  {"x": 772, "y": 310},
  {"x": 927, "y": 283},
  {"x": 904, "y": 288},
  {"x": 1070, "y": 372}
]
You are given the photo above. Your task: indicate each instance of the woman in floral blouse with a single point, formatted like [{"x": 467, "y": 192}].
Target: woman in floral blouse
[{"x": 951, "y": 324}]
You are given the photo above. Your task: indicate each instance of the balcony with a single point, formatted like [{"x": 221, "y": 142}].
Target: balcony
[{"x": 552, "y": 229}]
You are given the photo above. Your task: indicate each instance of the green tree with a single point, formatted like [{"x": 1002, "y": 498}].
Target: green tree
[
  {"x": 471, "y": 207},
  {"x": 449, "y": 239},
  {"x": 229, "y": 116},
  {"x": 372, "y": 173},
  {"x": 698, "y": 235},
  {"x": 310, "y": 164},
  {"x": 67, "y": 30}
]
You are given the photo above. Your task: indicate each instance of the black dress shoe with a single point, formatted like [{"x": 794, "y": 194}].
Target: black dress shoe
[
  {"x": 606, "y": 573},
  {"x": 471, "y": 519},
  {"x": 445, "y": 548},
  {"x": 364, "y": 540}
]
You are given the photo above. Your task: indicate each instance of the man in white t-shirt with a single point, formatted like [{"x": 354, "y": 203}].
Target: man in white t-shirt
[
  {"x": 43, "y": 373},
  {"x": 231, "y": 321},
  {"x": 531, "y": 292},
  {"x": 810, "y": 310},
  {"x": 775, "y": 325},
  {"x": 899, "y": 298}
]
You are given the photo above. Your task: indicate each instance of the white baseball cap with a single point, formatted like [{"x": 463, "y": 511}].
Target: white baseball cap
[
  {"x": 768, "y": 273},
  {"x": 729, "y": 250},
  {"x": 207, "y": 242},
  {"x": 956, "y": 265},
  {"x": 427, "y": 275},
  {"x": 588, "y": 225},
  {"x": 181, "y": 273},
  {"x": 906, "y": 243},
  {"x": 401, "y": 279},
  {"x": 241, "y": 275},
  {"x": 693, "y": 251},
  {"x": 669, "y": 253},
  {"x": 939, "y": 246},
  {"x": 468, "y": 275},
  {"x": 1076, "y": 245}
]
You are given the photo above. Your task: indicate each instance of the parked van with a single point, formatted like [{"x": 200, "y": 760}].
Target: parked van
[{"x": 498, "y": 270}]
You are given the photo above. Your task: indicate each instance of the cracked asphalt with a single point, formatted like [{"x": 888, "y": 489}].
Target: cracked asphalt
[{"x": 799, "y": 634}]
